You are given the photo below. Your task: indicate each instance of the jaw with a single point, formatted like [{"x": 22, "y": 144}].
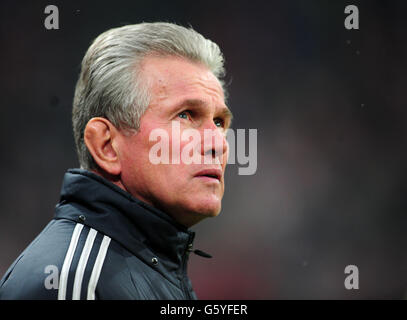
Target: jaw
[
  {"x": 190, "y": 218},
  {"x": 189, "y": 212}
]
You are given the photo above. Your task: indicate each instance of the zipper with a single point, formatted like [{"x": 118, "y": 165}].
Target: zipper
[{"x": 184, "y": 275}]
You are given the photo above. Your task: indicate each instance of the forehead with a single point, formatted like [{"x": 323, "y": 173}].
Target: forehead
[{"x": 173, "y": 78}]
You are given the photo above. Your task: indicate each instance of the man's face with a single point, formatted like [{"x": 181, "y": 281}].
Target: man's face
[{"x": 189, "y": 95}]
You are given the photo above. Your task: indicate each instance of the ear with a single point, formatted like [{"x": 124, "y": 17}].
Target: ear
[{"x": 99, "y": 136}]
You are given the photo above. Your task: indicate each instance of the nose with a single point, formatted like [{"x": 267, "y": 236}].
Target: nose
[{"x": 214, "y": 143}]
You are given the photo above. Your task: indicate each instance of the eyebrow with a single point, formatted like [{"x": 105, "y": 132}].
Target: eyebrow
[{"x": 226, "y": 112}]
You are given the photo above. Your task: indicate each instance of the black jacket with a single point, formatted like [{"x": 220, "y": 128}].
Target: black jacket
[{"x": 102, "y": 244}]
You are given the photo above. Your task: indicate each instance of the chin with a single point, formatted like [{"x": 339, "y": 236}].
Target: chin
[
  {"x": 208, "y": 208},
  {"x": 195, "y": 215}
]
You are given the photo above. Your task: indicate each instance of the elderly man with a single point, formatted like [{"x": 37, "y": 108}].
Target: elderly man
[{"x": 121, "y": 228}]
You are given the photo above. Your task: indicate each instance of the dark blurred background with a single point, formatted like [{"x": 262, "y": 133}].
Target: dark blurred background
[{"x": 329, "y": 106}]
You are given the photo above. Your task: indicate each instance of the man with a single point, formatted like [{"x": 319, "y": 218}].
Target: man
[{"x": 120, "y": 230}]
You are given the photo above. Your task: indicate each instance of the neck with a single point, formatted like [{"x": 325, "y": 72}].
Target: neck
[{"x": 187, "y": 219}]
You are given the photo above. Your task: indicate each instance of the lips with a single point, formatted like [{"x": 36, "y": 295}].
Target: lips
[{"x": 210, "y": 173}]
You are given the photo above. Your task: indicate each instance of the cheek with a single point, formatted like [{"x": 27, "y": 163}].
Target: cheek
[{"x": 134, "y": 154}]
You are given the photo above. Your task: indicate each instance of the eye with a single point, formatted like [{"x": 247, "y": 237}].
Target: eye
[
  {"x": 183, "y": 115},
  {"x": 220, "y": 123}
]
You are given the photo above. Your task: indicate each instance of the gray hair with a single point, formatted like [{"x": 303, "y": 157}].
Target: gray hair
[{"x": 110, "y": 83}]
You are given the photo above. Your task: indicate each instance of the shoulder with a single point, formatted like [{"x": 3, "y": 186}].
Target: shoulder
[{"x": 63, "y": 262}]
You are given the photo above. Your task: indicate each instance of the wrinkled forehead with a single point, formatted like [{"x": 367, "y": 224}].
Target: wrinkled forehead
[{"x": 169, "y": 76}]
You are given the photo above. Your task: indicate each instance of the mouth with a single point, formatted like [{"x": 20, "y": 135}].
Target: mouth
[{"x": 210, "y": 175}]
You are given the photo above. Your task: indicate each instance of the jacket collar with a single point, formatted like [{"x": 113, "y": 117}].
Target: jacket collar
[{"x": 145, "y": 231}]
